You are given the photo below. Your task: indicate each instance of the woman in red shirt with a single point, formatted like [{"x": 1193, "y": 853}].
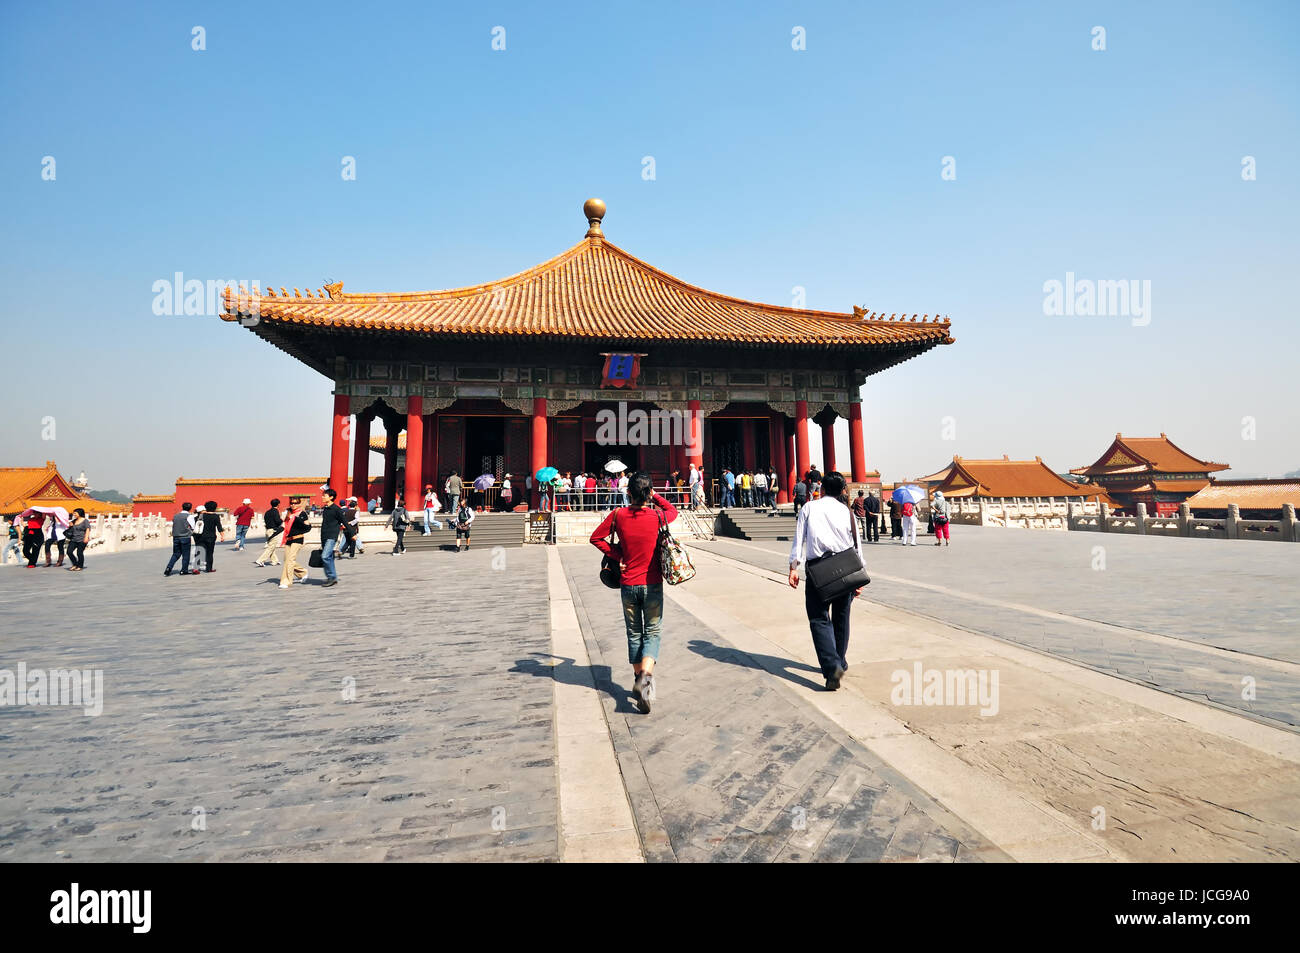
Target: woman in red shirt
[{"x": 635, "y": 532}]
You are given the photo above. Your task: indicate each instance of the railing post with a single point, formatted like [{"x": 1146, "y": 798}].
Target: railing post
[
  {"x": 1104, "y": 519},
  {"x": 1232, "y": 525},
  {"x": 1290, "y": 531},
  {"x": 1184, "y": 520},
  {"x": 1142, "y": 519}
]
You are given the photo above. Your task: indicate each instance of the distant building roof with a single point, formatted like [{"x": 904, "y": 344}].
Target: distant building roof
[
  {"x": 1011, "y": 478},
  {"x": 1146, "y": 455},
  {"x": 21, "y": 487},
  {"x": 1247, "y": 494}
]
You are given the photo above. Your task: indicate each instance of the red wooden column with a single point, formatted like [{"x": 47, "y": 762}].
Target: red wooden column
[
  {"x": 800, "y": 438},
  {"x": 414, "y": 493},
  {"x": 361, "y": 456},
  {"x": 538, "y": 457},
  {"x": 431, "y": 455},
  {"x": 787, "y": 441},
  {"x": 695, "y": 437},
  {"x": 828, "y": 442},
  {"x": 776, "y": 440},
  {"x": 339, "y": 446},
  {"x": 857, "y": 451},
  {"x": 390, "y": 466},
  {"x": 747, "y": 444}
]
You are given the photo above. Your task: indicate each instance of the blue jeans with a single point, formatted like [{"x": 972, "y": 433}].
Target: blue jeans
[
  {"x": 327, "y": 557},
  {"x": 240, "y": 533},
  {"x": 643, "y": 615},
  {"x": 428, "y": 518},
  {"x": 181, "y": 551},
  {"x": 728, "y": 496}
]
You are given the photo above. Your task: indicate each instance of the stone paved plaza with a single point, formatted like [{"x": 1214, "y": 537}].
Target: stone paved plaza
[
  {"x": 411, "y": 713},
  {"x": 1041, "y": 589}
]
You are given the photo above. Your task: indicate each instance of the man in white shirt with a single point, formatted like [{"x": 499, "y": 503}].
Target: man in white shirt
[
  {"x": 826, "y": 526},
  {"x": 760, "y": 488}
]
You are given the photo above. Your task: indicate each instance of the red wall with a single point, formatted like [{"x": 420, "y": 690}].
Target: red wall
[{"x": 230, "y": 496}]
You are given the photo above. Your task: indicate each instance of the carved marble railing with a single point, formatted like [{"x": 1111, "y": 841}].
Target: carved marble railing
[
  {"x": 1023, "y": 512},
  {"x": 1185, "y": 524}
]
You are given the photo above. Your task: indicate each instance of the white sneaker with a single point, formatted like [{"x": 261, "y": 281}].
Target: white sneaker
[{"x": 284, "y": 585}]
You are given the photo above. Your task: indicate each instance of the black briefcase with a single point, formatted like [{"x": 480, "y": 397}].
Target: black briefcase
[
  {"x": 315, "y": 561},
  {"x": 835, "y": 574}
]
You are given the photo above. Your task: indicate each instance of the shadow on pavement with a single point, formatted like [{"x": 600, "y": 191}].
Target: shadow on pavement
[
  {"x": 570, "y": 673},
  {"x": 783, "y": 667}
]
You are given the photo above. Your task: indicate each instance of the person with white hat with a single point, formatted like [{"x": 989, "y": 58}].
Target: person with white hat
[
  {"x": 243, "y": 520},
  {"x": 940, "y": 512}
]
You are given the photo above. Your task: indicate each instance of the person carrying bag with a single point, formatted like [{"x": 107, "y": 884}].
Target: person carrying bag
[
  {"x": 639, "y": 555},
  {"x": 827, "y": 548}
]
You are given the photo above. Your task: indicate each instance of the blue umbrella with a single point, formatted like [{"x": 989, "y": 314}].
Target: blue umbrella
[
  {"x": 547, "y": 474},
  {"x": 908, "y": 494}
]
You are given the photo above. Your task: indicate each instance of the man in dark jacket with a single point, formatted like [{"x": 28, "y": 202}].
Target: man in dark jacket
[
  {"x": 331, "y": 524},
  {"x": 873, "y": 517},
  {"x": 800, "y": 496},
  {"x": 182, "y": 528},
  {"x": 274, "y": 531},
  {"x": 895, "y": 519}
]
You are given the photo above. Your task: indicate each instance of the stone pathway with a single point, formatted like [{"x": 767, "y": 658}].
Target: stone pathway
[
  {"x": 226, "y": 694},
  {"x": 1202, "y": 593},
  {"x": 728, "y": 767}
]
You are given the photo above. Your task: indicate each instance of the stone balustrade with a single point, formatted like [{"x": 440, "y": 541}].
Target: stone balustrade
[
  {"x": 1185, "y": 524},
  {"x": 1022, "y": 512}
]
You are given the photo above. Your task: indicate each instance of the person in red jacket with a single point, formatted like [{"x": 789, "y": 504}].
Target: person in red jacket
[
  {"x": 243, "y": 520},
  {"x": 635, "y": 532}
]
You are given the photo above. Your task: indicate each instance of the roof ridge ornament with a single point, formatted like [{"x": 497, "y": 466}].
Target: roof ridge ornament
[{"x": 594, "y": 209}]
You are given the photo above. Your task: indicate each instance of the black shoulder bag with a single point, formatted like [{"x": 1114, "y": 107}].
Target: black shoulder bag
[
  {"x": 835, "y": 574},
  {"x": 610, "y": 573}
]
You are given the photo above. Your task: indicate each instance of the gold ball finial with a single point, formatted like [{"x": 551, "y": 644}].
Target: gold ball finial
[{"x": 594, "y": 209}]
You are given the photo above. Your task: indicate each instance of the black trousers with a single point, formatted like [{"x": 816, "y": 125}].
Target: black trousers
[
  {"x": 896, "y": 524},
  {"x": 32, "y": 540},
  {"x": 207, "y": 545},
  {"x": 400, "y": 547},
  {"x": 829, "y": 622},
  {"x": 77, "y": 553},
  {"x": 50, "y": 544},
  {"x": 873, "y": 527}
]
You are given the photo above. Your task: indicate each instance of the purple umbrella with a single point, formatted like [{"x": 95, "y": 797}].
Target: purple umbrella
[{"x": 485, "y": 481}]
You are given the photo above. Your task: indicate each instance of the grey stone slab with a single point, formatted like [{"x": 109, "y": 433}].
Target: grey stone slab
[
  {"x": 739, "y": 771},
  {"x": 225, "y": 693}
]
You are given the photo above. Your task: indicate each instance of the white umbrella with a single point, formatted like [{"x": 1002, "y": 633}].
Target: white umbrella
[
  {"x": 615, "y": 466},
  {"x": 59, "y": 513}
]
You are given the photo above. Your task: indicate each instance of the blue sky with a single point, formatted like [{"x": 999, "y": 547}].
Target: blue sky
[{"x": 775, "y": 169}]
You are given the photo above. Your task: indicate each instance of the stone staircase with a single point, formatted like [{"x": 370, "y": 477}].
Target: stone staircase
[
  {"x": 489, "y": 529},
  {"x": 745, "y": 523}
]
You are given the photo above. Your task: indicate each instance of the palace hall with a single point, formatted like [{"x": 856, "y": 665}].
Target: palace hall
[{"x": 510, "y": 376}]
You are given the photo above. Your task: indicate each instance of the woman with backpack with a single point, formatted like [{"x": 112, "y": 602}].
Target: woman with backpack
[
  {"x": 208, "y": 526},
  {"x": 939, "y": 512},
  {"x": 399, "y": 521},
  {"x": 909, "y": 523},
  {"x": 635, "y": 546},
  {"x": 462, "y": 520}
]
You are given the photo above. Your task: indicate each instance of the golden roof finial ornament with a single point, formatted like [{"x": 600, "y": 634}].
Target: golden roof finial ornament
[{"x": 594, "y": 209}]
